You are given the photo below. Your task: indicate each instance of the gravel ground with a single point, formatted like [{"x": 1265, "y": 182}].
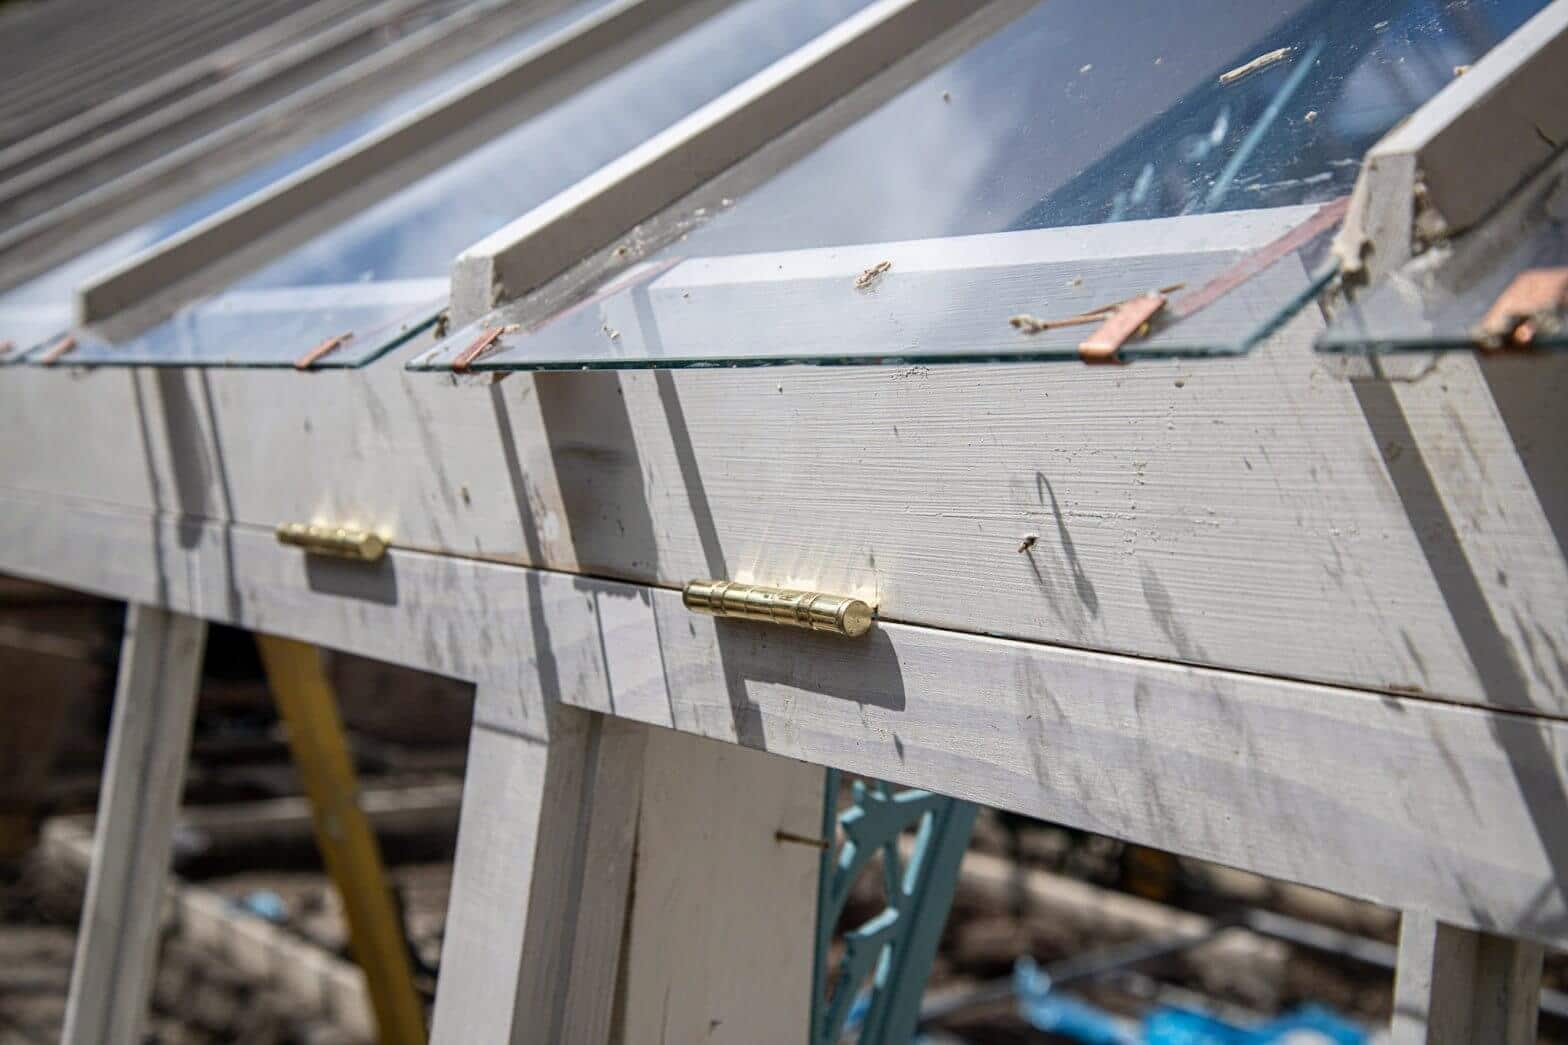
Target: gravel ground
[{"x": 195, "y": 1000}]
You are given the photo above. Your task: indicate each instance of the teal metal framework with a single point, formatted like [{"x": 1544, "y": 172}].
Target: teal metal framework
[{"x": 895, "y": 947}]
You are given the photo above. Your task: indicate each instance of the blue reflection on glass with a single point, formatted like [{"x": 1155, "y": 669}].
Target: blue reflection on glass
[
  {"x": 1071, "y": 116},
  {"x": 409, "y": 238},
  {"x": 42, "y": 307}
]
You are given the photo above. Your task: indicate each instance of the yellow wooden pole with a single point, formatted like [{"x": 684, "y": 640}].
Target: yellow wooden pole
[{"x": 309, "y": 709}]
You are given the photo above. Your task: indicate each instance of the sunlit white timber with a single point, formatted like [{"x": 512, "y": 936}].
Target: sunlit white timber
[
  {"x": 722, "y": 928},
  {"x": 1238, "y": 513},
  {"x": 1456, "y": 811}
]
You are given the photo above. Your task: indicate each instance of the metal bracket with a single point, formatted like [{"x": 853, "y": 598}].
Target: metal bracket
[{"x": 873, "y": 995}]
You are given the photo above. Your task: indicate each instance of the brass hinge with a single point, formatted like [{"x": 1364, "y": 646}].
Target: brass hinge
[
  {"x": 813, "y": 610},
  {"x": 338, "y": 541}
]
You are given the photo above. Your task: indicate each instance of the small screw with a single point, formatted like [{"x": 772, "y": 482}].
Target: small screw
[{"x": 790, "y": 836}]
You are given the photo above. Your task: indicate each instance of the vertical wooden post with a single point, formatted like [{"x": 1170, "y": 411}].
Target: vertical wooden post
[
  {"x": 544, "y": 853},
  {"x": 348, "y": 846},
  {"x": 1455, "y": 986},
  {"x": 144, "y": 774},
  {"x": 724, "y": 900}
]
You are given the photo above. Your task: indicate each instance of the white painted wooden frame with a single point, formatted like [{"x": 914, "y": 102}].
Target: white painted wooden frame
[
  {"x": 590, "y": 47},
  {"x": 1240, "y": 513},
  {"x": 144, "y": 773},
  {"x": 1455, "y": 987},
  {"x": 1457, "y": 812},
  {"x": 162, "y": 488},
  {"x": 548, "y": 941},
  {"x": 542, "y": 871}
]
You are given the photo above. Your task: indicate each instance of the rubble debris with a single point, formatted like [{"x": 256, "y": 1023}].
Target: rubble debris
[
  {"x": 870, "y": 276},
  {"x": 1262, "y": 61}
]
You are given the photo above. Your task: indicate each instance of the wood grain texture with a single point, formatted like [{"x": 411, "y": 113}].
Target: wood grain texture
[
  {"x": 1235, "y": 513},
  {"x": 144, "y": 772},
  {"x": 1457, "y": 811},
  {"x": 1492, "y": 545},
  {"x": 1455, "y": 987},
  {"x": 722, "y": 930},
  {"x": 1398, "y": 801},
  {"x": 539, "y": 888},
  {"x": 462, "y": 619}
]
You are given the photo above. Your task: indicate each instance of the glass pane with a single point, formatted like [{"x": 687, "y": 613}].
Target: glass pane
[
  {"x": 1067, "y": 117},
  {"x": 1440, "y": 300},
  {"x": 1063, "y": 119},
  {"x": 41, "y": 309},
  {"x": 408, "y": 240},
  {"x": 963, "y": 299}
]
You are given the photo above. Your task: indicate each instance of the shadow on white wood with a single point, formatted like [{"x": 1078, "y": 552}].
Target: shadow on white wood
[
  {"x": 544, "y": 856},
  {"x": 720, "y": 942},
  {"x": 1407, "y": 802},
  {"x": 1458, "y": 987}
]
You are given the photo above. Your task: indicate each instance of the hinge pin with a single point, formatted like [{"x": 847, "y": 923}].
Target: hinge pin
[
  {"x": 338, "y": 541},
  {"x": 813, "y": 610}
]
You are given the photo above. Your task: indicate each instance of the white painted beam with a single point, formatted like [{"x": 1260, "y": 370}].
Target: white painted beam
[
  {"x": 144, "y": 773},
  {"x": 541, "y": 876},
  {"x": 722, "y": 929},
  {"x": 1403, "y": 801},
  {"x": 1456, "y": 987},
  {"x": 1237, "y": 513}
]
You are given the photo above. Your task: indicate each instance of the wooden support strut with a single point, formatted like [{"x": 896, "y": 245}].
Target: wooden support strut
[
  {"x": 143, "y": 775},
  {"x": 309, "y": 709},
  {"x": 1458, "y": 986}
]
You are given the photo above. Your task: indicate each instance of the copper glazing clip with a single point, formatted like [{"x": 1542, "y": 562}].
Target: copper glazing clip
[
  {"x": 1127, "y": 320},
  {"x": 479, "y": 346},
  {"x": 54, "y": 352},
  {"x": 327, "y": 347},
  {"x": 1535, "y": 303}
]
